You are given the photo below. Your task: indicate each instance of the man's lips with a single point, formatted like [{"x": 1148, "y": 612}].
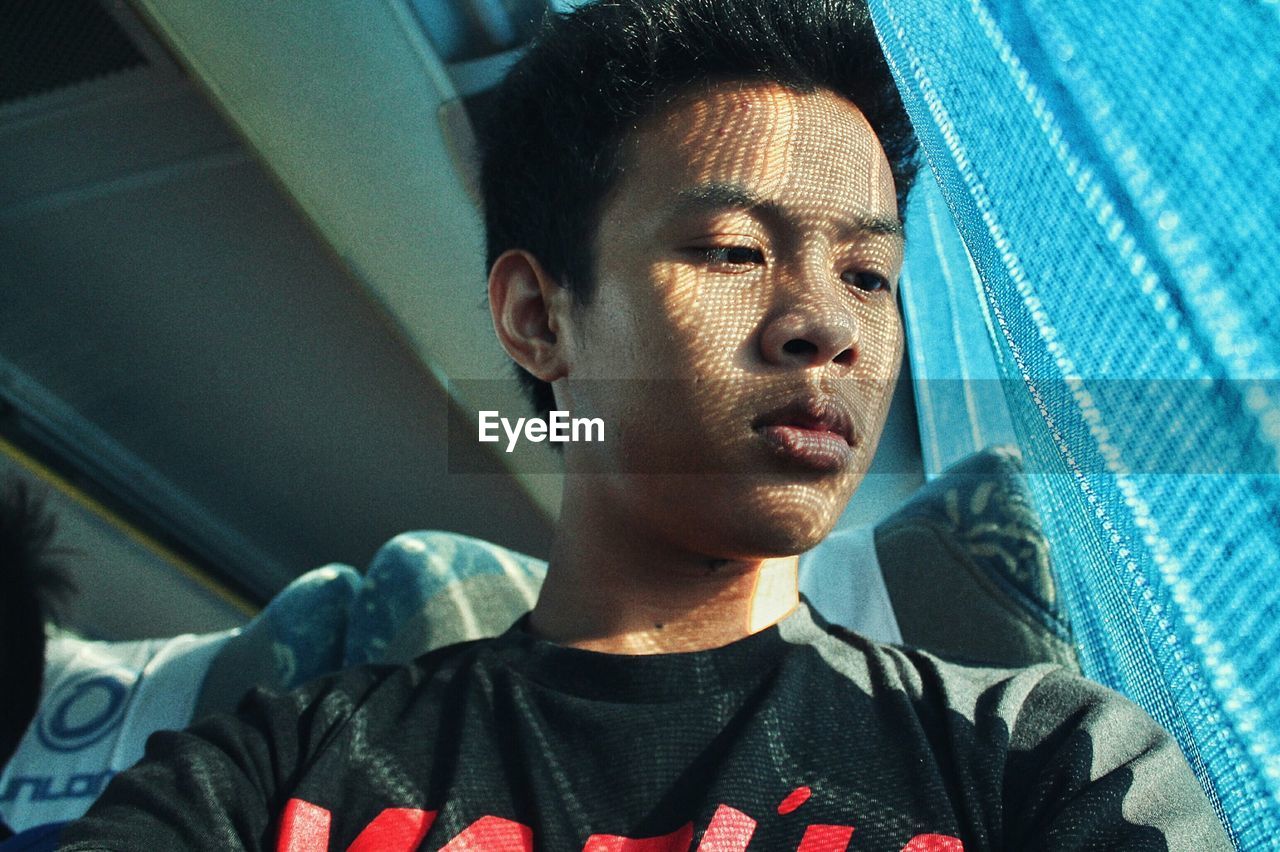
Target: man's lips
[
  {"x": 810, "y": 432},
  {"x": 811, "y": 415}
]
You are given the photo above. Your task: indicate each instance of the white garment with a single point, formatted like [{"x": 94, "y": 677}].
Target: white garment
[{"x": 100, "y": 702}]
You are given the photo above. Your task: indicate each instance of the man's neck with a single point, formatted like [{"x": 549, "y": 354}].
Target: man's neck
[{"x": 611, "y": 591}]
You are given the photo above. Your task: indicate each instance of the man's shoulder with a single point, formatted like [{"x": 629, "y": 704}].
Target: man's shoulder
[
  {"x": 1036, "y": 696},
  {"x": 378, "y": 688},
  {"x": 917, "y": 671},
  {"x": 1055, "y": 743}
]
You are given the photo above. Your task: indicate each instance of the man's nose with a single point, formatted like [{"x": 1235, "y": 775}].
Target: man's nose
[{"x": 816, "y": 328}]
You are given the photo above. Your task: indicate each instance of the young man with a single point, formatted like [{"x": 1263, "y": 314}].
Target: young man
[{"x": 693, "y": 210}]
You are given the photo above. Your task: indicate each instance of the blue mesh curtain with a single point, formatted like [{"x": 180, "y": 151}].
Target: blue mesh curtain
[
  {"x": 1112, "y": 170},
  {"x": 955, "y": 376}
]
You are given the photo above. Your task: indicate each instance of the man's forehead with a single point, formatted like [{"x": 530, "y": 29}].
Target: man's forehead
[{"x": 741, "y": 144}]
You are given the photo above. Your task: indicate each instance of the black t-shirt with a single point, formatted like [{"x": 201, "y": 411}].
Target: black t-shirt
[{"x": 801, "y": 737}]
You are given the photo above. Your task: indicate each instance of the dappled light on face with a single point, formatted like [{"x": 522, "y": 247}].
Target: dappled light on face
[{"x": 744, "y": 337}]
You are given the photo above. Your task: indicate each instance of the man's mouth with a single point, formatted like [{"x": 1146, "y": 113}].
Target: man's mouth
[{"x": 815, "y": 433}]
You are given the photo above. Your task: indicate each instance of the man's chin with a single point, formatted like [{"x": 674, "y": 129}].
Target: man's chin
[
  {"x": 793, "y": 518},
  {"x": 744, "y": 518},
  {"x": 792, "y": 544},
  {"x": 753, "y": 536}
]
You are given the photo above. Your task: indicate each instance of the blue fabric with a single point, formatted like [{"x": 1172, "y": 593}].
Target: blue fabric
[
  {"x": 955, "y": 377},
  {"x": 427, "y": 589},
  {"x": 1112, "y": 171},
  {"x": 305, "y": 622}
]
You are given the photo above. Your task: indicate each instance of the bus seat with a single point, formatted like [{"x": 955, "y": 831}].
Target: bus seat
[
  {"x": 101, "y": 700},
  {"x": 966, "y": 563}
]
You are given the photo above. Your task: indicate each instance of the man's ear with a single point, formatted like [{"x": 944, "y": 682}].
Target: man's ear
[{"x": 530, "y": 312}]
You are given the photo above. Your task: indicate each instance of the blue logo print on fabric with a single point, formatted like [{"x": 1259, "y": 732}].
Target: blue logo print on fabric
[{"x": 81, "y": 712}]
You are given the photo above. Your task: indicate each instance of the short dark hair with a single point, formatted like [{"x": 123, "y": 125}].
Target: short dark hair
[
  {"x": 32, "y": 586},
  {"x": 551, "y": 133}
]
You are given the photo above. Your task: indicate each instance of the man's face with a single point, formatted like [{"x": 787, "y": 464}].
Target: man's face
[{"x": 743, "y": 338}]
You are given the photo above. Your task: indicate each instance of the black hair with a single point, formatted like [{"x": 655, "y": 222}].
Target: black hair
[
  {"x": 32, "y": 585},
  {"x": 551, "y": 133}
]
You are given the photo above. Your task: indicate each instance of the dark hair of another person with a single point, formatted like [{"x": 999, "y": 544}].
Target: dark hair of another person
[
  {"x": 551, "y": 133},
  {"x": 32, "y": 584}
]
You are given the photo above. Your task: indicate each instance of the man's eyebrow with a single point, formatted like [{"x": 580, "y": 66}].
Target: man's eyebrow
[
  {"x": 715, "y": 196},
  {"x": 712, "y": 195}
]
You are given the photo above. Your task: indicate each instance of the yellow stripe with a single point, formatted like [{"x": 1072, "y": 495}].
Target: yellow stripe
[{"x": 140, "y": 538}]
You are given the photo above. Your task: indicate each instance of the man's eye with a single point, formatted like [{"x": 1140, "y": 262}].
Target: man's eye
[
  {"x": 868, "y": 281},
  {"x": 731, "y": 255}
]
